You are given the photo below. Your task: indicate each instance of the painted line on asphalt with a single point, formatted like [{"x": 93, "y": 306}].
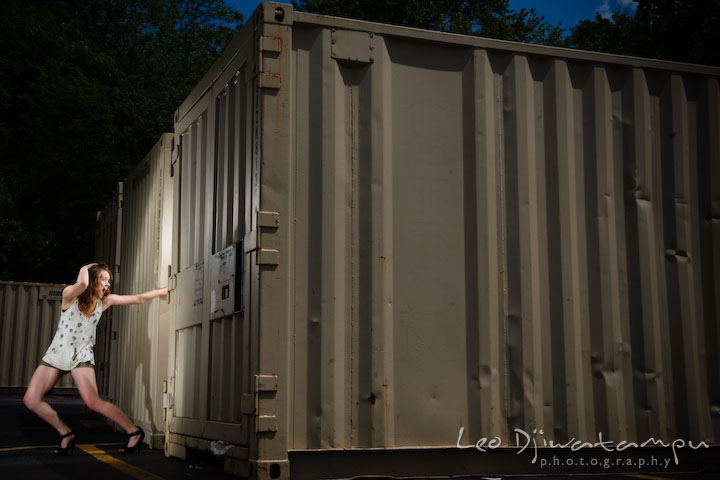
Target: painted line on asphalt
[
  {"x": 118, "y": 464},
  {"x": 30, "y": 447}
]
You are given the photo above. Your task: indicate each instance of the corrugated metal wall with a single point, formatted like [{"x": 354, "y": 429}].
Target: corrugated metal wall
[
  {"x": 415, "y": 225},
  {"x": 495, "y": 239},
  {"x": 108, "y": 229},
  {"x": 29, "y": 315},
  {"x": 142, "y": 331}
]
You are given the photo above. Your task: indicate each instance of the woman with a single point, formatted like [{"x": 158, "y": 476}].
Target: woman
[{"x": 71, "y": 351}]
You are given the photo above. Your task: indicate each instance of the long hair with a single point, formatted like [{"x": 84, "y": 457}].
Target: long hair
[{"x": 88, "y": 299}]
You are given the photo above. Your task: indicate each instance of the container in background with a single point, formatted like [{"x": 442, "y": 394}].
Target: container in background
[{"x": 29, "y": 316}]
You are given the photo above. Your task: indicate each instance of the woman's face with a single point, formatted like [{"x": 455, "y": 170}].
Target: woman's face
[{"x": 102, "y": 283}]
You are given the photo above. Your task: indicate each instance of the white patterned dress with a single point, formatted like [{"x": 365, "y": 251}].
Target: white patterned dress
[{"x": 75, "y": 338}]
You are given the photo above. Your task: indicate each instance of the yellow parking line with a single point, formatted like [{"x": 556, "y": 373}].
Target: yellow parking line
[
  {"x": 118, "y": 464},
  {"x": 30, "y": 447},
  {"x": 646, "y": 477}
]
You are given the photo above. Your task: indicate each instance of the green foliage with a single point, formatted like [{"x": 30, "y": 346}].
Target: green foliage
[
  {"x": 664, "y": 29},
  {"x": 86, "y": 89},
  {"x": 489, "y": 18}
]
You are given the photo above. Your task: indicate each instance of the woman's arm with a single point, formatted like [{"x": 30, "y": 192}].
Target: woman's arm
[
  {"x": 71, "y": 292},
  {"x": 114, "y": 299}
]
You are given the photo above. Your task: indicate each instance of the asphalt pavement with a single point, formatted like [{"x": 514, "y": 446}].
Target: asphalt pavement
[{"x": 27, "y": 444}]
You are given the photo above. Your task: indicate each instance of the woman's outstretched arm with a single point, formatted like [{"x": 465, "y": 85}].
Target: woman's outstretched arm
[{"x": 114, "y": 299}]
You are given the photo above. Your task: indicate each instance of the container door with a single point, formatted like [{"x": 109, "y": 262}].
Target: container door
[{"x": 209, "y": 348}]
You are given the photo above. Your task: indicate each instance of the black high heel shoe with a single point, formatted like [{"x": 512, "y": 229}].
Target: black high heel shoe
[
  {"x": 128, "y": 449},
  {"x": 70, "y": 446}
]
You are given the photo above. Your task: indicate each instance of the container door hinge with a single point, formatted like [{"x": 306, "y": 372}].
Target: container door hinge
[
  {"x": 268, "y": 73},
  {"x": 268, "y": 219},
  {"x": 267, "y": 423},
  {"x": 270, "y": 44},
  {"x": 268, "y": 256},
  {"x": 253, "y": 239},
  {"x": 250, "y": 404},
  {"x": 266, "y": 383}
]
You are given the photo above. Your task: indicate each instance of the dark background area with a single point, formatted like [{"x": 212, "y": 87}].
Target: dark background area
[{"x": 87, "y": 87}]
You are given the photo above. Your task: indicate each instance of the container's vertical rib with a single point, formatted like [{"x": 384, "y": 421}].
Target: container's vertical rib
[
  {"x": 356, "y": 278},
  {"x": 471, "y": 220},
  {"x": 591, "y": 99},
  {"x": 194, "y": 178},
  {"x": 230, "y": 211},
  {"x": 219, "y": 173},
  {"x": 382, "y": 259},
  {"x": 531, "y": 207},
  {"x": 181, "y": 239},
  {"x": 650, "y": 191},
  {"x": 487, "y": 403},
  {"x": 552, "y": 294},
  {"x": 305, "y": 98},
  {"x": 176, "y": 218},
  {"x": 637, "y": 206},
  {"x": 711, "y": 267},
  {"x": 333, "y": 239},
  {"x": 604, "y": 159},
  {"x": 237, "y": 182},
  {"x": 574, "y": 316},
  {"x": 204, "y": 178},
  {"x": 364, "y": 242},
  {"x": 618, "y": 318},
  {"x": 314, "y": 258},
  {"x": 678, "y": 254},
  {"x": 531, "y": 365},
  {"x": 206, "y": 224},
  {"x": 515, "y": 396},
  {"x": 692, "y": 190},
  {"x": 674, "y": 362},
  {"x": 18, "y": 337}
]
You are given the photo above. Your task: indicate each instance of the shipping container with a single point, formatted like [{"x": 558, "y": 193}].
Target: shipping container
[
  {"x": 108, "y": 228},
  {"x": 384, "y": 237},
  {"x": 138, "y": 335},
  {"x": 29, "y": 316}
]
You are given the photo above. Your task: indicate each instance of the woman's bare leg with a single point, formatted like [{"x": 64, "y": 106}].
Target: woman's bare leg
[
  {"x": 41, "y": 382},
  {"x": 87, "y": 386}
]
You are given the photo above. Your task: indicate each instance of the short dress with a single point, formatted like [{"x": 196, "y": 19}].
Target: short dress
[{"x": 75, "y": 338}]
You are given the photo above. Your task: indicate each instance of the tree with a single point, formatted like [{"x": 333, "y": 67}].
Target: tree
[
  {"x": 490, "y": 18},
  {"x": 664, "y": 29},
  {"x": 86, "y": 89}
]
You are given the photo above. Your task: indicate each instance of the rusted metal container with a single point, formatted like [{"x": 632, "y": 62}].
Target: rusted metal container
[
  {"x": 29, "y": 315},
  {"x": 384, "y": 237}
]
